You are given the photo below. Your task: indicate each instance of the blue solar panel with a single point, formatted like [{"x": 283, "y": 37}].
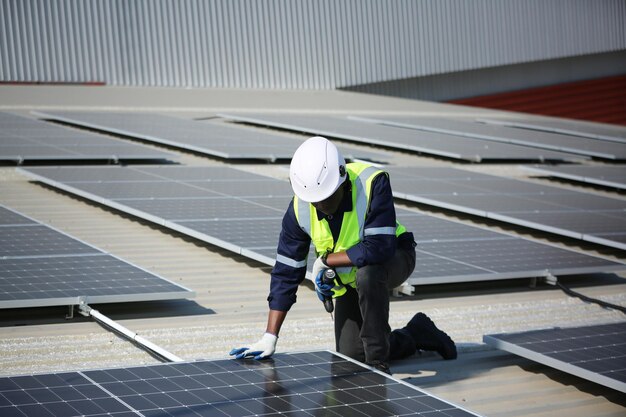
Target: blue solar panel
[
  {"x": 596, "y": 353},
  {"x": 40, "y": 266},
  {"x": 300, "y": 384},
  {"x": 207, "y": 137},
  {"x": 433, "y": 143},
  {"x": 586, "y": 216},
  {"x": 25, "y": 139},
  {"x": 607, "y": 176},
  {"x": 505, "y": 134}
]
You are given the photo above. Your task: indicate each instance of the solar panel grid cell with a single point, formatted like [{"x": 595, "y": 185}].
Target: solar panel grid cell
[{"x": 38, "y": 240}]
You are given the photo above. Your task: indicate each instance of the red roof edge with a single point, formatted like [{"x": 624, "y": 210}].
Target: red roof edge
[{"x": 599, "y": 100}]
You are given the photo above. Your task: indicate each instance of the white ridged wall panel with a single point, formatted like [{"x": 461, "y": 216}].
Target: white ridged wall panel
[{"x": 310, "y": 44}]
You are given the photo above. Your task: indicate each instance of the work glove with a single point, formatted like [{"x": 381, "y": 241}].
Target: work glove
[
  {"x": 318, "y": 268},
  {"x": 323, "y": 291},
  {"x": 262, "y": 349}
]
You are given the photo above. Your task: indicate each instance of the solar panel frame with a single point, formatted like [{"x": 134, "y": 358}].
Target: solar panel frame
[
  {"x": 219, "y": 140},
  {"x": 254, "y": 234},
  {"x": 289, "y": 384},
  {"x": 599, "y": 175},
  {"x": 503, "y": 134},
  {"x": 57, "y": 269},
  {"x": 26, "y": 139},
  {"x": 570, "y": 350},
  {"x": 433, "y": 143}
]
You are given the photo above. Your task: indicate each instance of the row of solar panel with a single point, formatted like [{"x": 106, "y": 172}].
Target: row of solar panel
[
  {"x": 242, "y": 212},
  {"x": 24, "y": 138},
  {"x": 27, "y": 139}
]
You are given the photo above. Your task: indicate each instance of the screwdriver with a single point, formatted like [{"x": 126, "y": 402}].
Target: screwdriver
[{"x": 328, "y": 278}]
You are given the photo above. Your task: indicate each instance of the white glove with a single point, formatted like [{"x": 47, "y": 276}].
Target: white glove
[
  {"x": 264, "y": 348},
  {"x": 318, "y": 267}
]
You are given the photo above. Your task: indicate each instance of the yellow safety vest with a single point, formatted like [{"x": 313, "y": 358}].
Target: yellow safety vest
[{"x": 352, "y": 227}]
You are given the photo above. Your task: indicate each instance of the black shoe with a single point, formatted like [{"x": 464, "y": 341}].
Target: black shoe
[
  {"x": 381, "y": 366},
  {"x": 428, "y": 337}
]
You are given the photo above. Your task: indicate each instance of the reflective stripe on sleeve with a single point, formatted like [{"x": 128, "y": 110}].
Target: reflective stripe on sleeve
[
  {"x": 290, "y": 262},
  {"x": 304, "y": 216},
  {"x": 380, "y": 231}
]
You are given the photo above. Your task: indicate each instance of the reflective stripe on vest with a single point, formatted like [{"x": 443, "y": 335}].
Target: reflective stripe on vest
[{"x": 352, "y": 228}]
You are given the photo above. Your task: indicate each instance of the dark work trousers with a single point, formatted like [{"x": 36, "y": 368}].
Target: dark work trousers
[{"x": 362, "y": 329}]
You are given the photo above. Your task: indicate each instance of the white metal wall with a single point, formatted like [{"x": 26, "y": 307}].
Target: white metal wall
[{"x": 310, "y": 44}]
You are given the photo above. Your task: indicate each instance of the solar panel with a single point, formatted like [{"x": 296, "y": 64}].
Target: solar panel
[
  {"x": 568, "y": 127},
  {"x": 596, "y": 353},
  {"x": 580, "y": 215},
  {"x": 449, "y": 146},
  {"x": 296, "y": 385},
  {"x": 207, "y": 137},
  {"x": 607, "y": 176},
  {"x": 25, "y": 139},
  {"x": 40, "y": 266},
  {"x": 504, "y": 134},
  {"x": 242, "y": 212}
]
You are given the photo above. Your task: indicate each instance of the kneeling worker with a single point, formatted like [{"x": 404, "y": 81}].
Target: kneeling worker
[{"x": 347, "y": 212}]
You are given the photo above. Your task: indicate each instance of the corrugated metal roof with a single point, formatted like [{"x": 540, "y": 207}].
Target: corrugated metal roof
[
  {"x": 600, "y": 100},
  {"x": 230, "y": 307},
  {"x": 308, "y": 44}
]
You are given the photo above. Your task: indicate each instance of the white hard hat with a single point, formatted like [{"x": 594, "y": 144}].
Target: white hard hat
[{"x": 317, "y": 169}]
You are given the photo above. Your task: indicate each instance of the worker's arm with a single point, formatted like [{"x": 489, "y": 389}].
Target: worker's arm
[
  {"x": 338, "y": 259},
  {"x": 275, "y": 321},
  {"x": 287, "y": 274},
  {"x": 291, "y": 262}
]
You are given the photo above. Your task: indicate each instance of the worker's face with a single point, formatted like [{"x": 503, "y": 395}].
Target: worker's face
[{"x": 331, "y": 204}]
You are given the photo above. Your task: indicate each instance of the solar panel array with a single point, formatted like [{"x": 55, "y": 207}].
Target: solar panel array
[
  {"x": 243, "y": 212},
  {"x": 25, "y": 139},
  {"x": 585, "y": 216},
  {"x": 210, "y": 138},
  {"x": 568, "y": 127},
  {"x": 504, "y": 134},
  {"x": 297, "y": 385},
  {"x": 449, "y": 146},
  {"x": 607, "y": 176},
  {"x": 596, "y": 353},
  {"x": 40, "y": 266}
]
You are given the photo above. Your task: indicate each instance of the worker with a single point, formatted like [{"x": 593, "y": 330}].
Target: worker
[{"x": 347, "y": 211}]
